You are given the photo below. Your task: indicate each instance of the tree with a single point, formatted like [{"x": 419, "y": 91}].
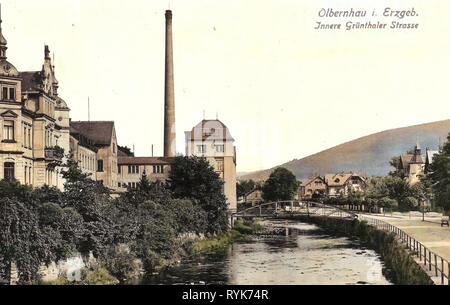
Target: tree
[
  {"x": 146, "y": 190},
  {"x": 281, "y": 185},
  {"x": 21, "y": 240},
  {"x": 126, "y": 150},
  {"x": 387, "y": 203},
  {"x": 440, "y": 176},
  {"x": 72, "y": 173},
  {"x": 244, "y": 187},
  {"x": 195, "y": 179},
  {"x": 90, "y": 200},
  {"x": 395, "y": 163}
]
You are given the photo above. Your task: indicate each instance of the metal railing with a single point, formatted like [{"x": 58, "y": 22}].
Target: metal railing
[
  {"x": 434, "y": 263},
  {"x": 293, "y": 207}
]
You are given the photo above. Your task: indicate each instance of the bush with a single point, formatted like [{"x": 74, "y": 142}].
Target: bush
[
  {"x": 123, "y": 264},
  {"x": 246, "y": 226},
  {"x": 97, "y": 276}
]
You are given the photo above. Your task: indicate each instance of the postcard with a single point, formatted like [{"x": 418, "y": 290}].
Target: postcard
[{"x": 235, "y": 145}]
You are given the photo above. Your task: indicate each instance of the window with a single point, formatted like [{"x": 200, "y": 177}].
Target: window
[
  {"x": 158, "y": 169},
  {"x": 219, "y": 163},
  {"x": 8, "y": 93},
  {"x": 29, "y": 175},
  {"x": 29, "y": 138},
  {"x": 99, "y": 165},
  {"x": 9, "y": 171},
  {"x": 25, "y": 174},
  {"x": 220, "y": 148},
  {"x": 12, "y": 93},
  {"x": 133, "y": 169},
  {"x": 119, "y": 168},
  {"x": 201, "y": 148},
  {"x": 8, "y": 128},
  {"x": 24, "y": 142}
]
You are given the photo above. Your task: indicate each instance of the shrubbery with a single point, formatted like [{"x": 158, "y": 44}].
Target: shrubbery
[{"x": 43, "y": 225}]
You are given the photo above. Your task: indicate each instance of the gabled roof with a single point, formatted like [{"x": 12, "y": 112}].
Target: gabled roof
[
  {"x": 405, "y": 160},
  {"x": 144, "y": 160},
  {"x": 305, "y": 182},
  {"x": 211, "y": 130},
  {"x": 417, "y": 159},
  {"x": 100, "y": 132},
  {"x": 341, "y": 179},
  {"x": 411, "y": 158}
]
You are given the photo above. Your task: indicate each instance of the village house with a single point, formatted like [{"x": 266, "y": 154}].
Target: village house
[
  {"x": 412, "y": 166},
  {"x": 342, "y": 183},
  {"x": 314, "y": 186}
]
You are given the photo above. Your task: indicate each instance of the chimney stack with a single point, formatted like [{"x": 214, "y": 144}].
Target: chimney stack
[{"x": 169, "y": 99}]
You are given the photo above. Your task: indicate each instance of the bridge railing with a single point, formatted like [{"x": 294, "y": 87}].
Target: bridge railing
[
  {"x": 436, "y": 264},
  {"x": 293, "y": 207}
]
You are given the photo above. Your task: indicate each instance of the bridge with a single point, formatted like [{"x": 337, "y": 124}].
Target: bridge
[{"x": 292, "y": 208}]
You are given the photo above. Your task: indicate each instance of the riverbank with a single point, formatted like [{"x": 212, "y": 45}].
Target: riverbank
[
  {"x": 401, "y": 268},
  {"x": 189, "y": 247},
  {"x": 240, "y": 232}
]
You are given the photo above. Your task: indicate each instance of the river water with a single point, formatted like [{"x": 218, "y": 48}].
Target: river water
[{"x": 305, "y": 255}]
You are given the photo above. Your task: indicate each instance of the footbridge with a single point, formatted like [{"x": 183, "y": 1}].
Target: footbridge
[{"x": 293, "y": 207}]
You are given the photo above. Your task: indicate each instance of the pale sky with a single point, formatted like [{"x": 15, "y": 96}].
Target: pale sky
[{"x": 284, "y": 89}]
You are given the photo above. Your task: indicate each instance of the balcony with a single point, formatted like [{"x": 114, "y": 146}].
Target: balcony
[{"x": 54, "y": 153}]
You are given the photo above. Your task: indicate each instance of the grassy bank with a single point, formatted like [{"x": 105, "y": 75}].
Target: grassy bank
[
  {"x": 240, "y": 232},
  {"x": 401, "y": 267}
]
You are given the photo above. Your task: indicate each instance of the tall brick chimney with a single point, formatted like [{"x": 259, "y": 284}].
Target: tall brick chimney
[{"x": 169, "y": 99}]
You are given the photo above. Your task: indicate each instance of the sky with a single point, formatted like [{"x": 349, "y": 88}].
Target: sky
[{"x": 284, "y": 89}]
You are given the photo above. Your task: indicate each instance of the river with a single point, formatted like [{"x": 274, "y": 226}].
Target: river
[{"x": 306, "y": 255}]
